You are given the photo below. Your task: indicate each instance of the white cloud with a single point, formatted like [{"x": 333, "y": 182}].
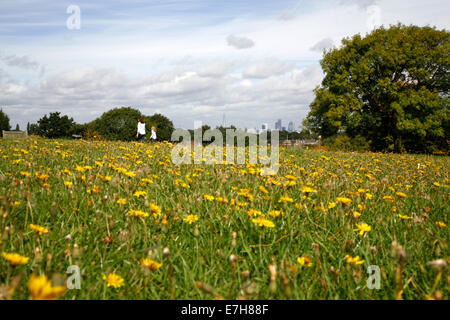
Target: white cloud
[
  {"x": 215, "y": 70},
  {"x": 266, "y": 68},
  {"x": 182, "y": 95},
  {"x": 323, "y": 44},
  {"x": 240, "y": 42},
  {"x": 363, "y": 4},
  {"x": 24, "y": 62}
]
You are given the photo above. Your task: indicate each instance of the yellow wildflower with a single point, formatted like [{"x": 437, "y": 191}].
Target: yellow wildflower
[
  {"x": 68, "y": 183},
  {"x": 15, "y": 259},
  {"x": 263, "y": 189},
  {"x": 285, "y": 199},
  {"x": 41, "y": 288},
  {"x": 150, "y": 264},
  {"x": 121, "y": 201},
  {"x": 254, "y": 213},
  {"x": 155, "y": 210},
  {"x": 38, "y": 229},
  {"x": 113, "y": 280},
  {"x": 275, "y": 213},
  {"x": 307, "y": 189},
  {"x": 262, "y": 222},
  {"x": 139, "y": 194},
  {"x": 191, "y": 218},
  {"x": 138, "y": 213},
  {"x": 343, "y": 200},
  {"x": 305, "y": 261},
  {"x": 353, "y": 260},
  {"x": 441, "y": 224},
  {"x": 362, "y": 228}
]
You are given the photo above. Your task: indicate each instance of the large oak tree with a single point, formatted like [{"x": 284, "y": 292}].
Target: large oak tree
[{"x": 391, "y": 87}]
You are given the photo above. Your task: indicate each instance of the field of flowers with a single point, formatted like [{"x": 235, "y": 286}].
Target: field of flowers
[{"x": 140, "y": 227}]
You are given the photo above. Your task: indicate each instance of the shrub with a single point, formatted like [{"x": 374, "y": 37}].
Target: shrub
[{"x": 346, "y": 143}]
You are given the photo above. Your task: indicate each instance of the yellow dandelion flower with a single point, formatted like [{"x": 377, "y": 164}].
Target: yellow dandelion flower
[
  {"x": 191, "y": 218},
  {"x": 262, "y": 222},
  {"x": 353, "y": 260},
  {"x": 138, "y": 213},
  {"x": 441, "y": 224},
  {"x": 254, "y": 213},
  {"x": 305, "y": 261},
  {"x": 68, "y": 183},
  {"x": 121, "y": 201},
  {"x": 15, "y": 259},
  {"x": 38, "y": 229},
  {"x": 362, "y": 228},
  {"x": 343, "y": 200},
  {"x": 139, "y": 194},
  {"x": 150, "y": 264},
  {"x": 155, "y": 210},
  {"x": 263, "y": 189},
  {"x": 275, "y": 213},
  {"x": 307, "y": 189},
  {"x": 285, "y": 199},
  {"x": 41, "y": 288},
  {"x": 113, "y": 280}
]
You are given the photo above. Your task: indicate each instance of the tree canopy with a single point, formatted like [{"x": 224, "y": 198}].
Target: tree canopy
[
  {"x": 121, "y": 124},
  {"x": 390, "y": 87},
  {"x": 117, "y": 123},
  {"x": 54, "y": 126},
  {"x": 4, "y": 122}
]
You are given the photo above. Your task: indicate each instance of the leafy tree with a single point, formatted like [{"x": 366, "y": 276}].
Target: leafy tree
[
  {"x": 390, "y": 87},
  {"x": 117, "y": 124},
  {"x": 4, "y": 121},
  {"x": 17, "y": 127},
  {"x": 33, "y": 129},
  {"x": 55, "y": 126}
]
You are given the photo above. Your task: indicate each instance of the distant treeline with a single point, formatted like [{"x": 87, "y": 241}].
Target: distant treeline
[
  {"x": 115, "y": 124},
  {"x": 121, "y": 123}
]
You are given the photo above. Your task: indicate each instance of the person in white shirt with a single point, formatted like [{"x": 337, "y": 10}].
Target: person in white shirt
[
  {"x": 140, "y": 135},
  {"x": 153, "y": 135}
]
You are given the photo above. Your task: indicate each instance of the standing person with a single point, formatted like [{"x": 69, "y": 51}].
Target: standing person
[
  {"x": 140, "y": 135},
  {"x": 153, "y": 135}
]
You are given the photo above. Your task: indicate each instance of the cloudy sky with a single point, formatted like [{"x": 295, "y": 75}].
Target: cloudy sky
[{"x": 253, "y": 61}]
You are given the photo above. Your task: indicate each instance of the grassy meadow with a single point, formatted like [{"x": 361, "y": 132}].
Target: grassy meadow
[{"x": 140, "y": 227}]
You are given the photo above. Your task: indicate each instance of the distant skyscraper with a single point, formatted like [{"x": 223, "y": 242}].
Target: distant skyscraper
[
  {"x": 264, "y": 127},
  {"x": 278, "y": 125},
  {"x": 283, "y": 129},
  {"x": 291, "y": 126}
]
